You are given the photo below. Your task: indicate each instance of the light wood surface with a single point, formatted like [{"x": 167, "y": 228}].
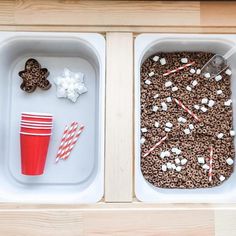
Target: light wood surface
[
  {"x": 119, "y": 118},
  {"x": 120, "y": 22}
]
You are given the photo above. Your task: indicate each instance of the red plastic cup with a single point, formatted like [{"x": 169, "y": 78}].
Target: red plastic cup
[
  {"x": 34, "y": 148},
  {"x": 36, "y": 130},
  {"x": 36, "y": 118},
  {"x": 35, "y": 124},
  {"x": 36, "y": 114}
]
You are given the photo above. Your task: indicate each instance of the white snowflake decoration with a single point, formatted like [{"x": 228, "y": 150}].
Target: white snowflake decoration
[{"x": 70, "y": 85}]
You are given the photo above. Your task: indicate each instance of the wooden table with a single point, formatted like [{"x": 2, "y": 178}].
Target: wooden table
[{"x": 119, "y": 213}]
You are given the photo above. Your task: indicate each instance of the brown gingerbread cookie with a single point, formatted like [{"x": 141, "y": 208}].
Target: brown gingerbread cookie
[{"x": 34, "y": 76}]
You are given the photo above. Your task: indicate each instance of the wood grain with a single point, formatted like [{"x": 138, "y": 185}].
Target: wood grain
[
  {"x": 119, "y": 118},
  {"x": 221, "y": 13},
  {"x": 106, "y": 12}
]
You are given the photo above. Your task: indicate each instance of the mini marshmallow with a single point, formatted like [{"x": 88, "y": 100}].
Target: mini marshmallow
[
  {"x": 164, "y": 106},
  {"x": 191, "y": 126},
  {"x": 168, "y": 99},
  {"x": 230, "y": 161},
  {"x": 218, "y": 92},
  {"x": 205, "y": 167},
  {"x": 164, "y": 168},
  {"x": 183, "y": 161},
  {"x": 222, "y": 178},
  {"x": 168, "y": 84},
  {"x": 187, "y": 131},
  {"x": 189, "y": 88},
  {"x": 178, "y": 168},
  {"x": 228, "y": 72},
  {"x": 167, "y": 153},
  {"x": 144, "y": 130},
  {"x": 167, "y": 129},
  {"x": 204, "y": 100},
  {"x": 169, "y": 165},
  {"x": 211, "y": 103},
  {"x": 197, "y": 107},
  {"x": 156, "y": 96},
  {"x": 207, "y": 75},
  {"x": 156, "y": 124},
  {"x": 182, "y": 119},
  {"x": 177, "y": 161},
  {"x": 151, "y": 74},
  {"x": 163, "y": 61},
  {"x": 228, "y": 102},
  {"x": 155, "y": 108},
  {"x": 203, "y": 109},
  {"x": 156, "y": 58},
  {"x": 169, "y": 125},
  {"x": 184, "y": 60},
  {"x": 232, "y": 133},
  {"x": 173, "y": 149},
  {"x": 194, "y": 83},
  {"x": 198, "y": 72},
  {"x": 142, "y": 140},
  {"x": 192, "y": 71},
  {"x": 201, "y": 160},
  {"x": 174, "y": 89},
  {"x": 178, "y": 151},
  {"x": 148, "y": 82},
  {"x": 173, "y": 166},
  {"x": 218, "y": 78},
  {"x": 220, "y": 136},
  {"x": 162, "y": 154}
]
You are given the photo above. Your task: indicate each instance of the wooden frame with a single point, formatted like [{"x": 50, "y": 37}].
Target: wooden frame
[{"x": 120, "y": 22}]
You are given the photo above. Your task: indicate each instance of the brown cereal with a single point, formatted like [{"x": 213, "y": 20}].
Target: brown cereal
[{"x": 217, "y": 119}]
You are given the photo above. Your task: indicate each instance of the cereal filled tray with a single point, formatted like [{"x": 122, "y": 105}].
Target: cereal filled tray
[{"x": 184, "y": 119}]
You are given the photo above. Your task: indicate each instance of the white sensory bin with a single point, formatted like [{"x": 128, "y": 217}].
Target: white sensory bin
[
  {"x": 147, "y": 45},
  {"x": 80, "y": 179}
]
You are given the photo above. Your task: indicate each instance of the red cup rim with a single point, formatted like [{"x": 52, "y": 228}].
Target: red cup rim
[
  {"x": 37, "y": 122},
  {"x": 36, "y": 114},
  {"x": 35, "y": 127},
  {"x": 34, "y": 134}
]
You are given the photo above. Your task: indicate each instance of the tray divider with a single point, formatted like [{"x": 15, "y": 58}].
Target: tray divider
[{"x": 119, "y": 118}]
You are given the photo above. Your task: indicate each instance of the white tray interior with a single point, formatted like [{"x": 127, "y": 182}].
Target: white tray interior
[
  {"x": 145, "y": 46},
  {"x": 80, "y": 178}
]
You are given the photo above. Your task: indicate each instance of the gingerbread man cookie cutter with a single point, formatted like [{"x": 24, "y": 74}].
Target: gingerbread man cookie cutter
[{"x": 34, "y": 76}]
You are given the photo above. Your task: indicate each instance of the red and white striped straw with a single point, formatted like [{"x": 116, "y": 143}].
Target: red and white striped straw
[
  {"x": 178, "y": 69},
  {"x": 186, "y": 109},
  {"x": 62, "y": 142},
  {"x": 69, "y": 137},
  {"x": 155, "y": 146},
  {"x": 210, "y": 164},
  {"x": 71, "y": 146}
]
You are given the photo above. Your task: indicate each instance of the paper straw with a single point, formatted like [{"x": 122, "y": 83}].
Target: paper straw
[
  {"x": 71, "y": 146},
  {"x": 69, "y": 137},
  {"x": 178, "y": 69},
  {"x": 186, "y": 109},
  {"x": 210, "y": 164},
  {"x": 62, "y": 142},
  {"x": 156, "y": 145}
]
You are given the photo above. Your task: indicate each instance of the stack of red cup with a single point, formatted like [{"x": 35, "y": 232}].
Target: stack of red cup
[{"x": 35, "y": 133}]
